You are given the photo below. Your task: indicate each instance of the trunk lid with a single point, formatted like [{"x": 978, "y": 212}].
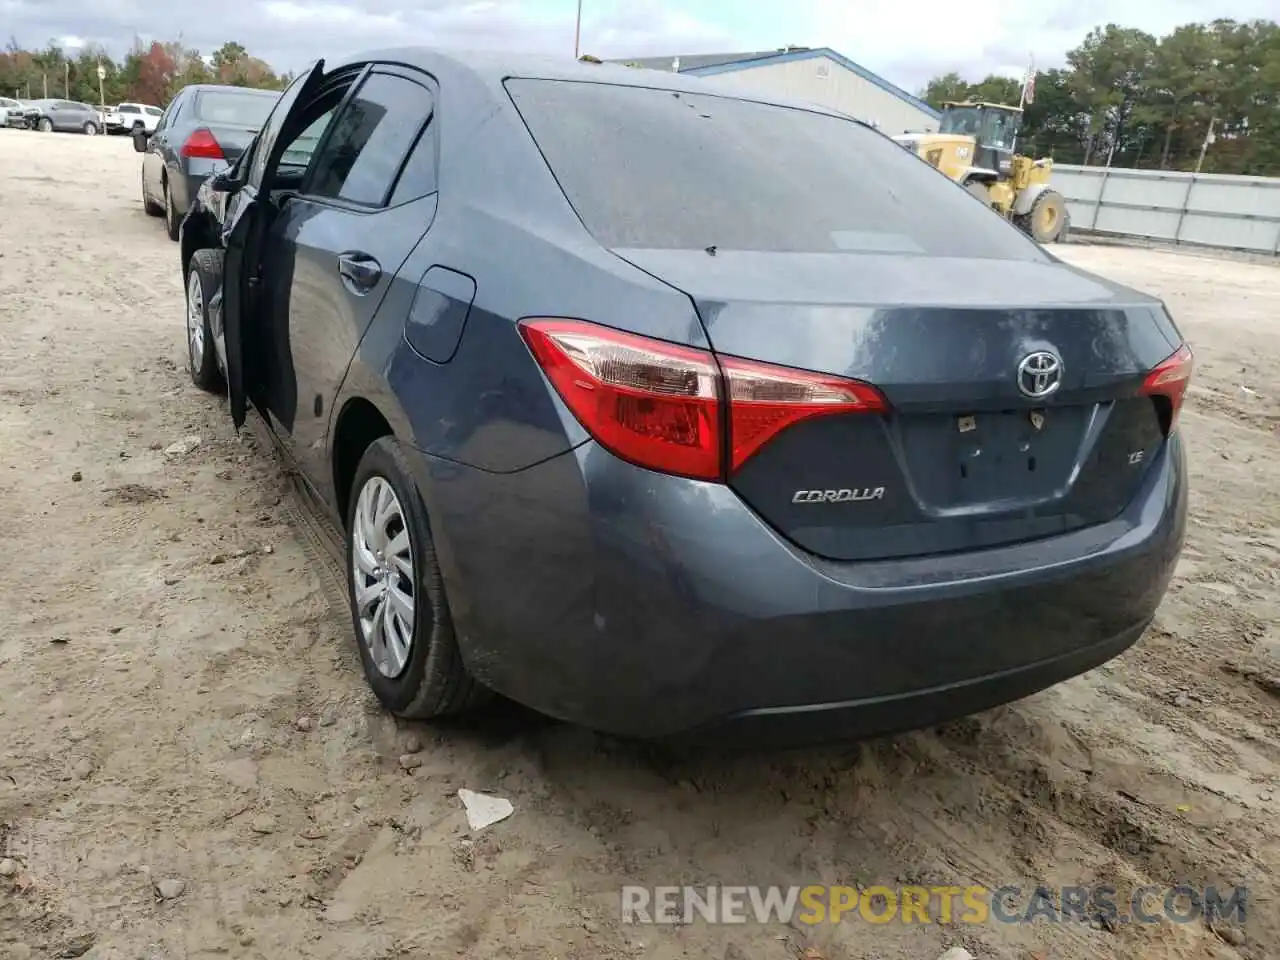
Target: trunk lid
[{"x": 965, "y": 458}]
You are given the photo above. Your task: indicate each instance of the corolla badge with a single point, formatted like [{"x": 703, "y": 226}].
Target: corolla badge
[{"x": 843, "y": 495}]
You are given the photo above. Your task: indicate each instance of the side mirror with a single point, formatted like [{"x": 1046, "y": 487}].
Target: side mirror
[
  {"x": 140, "y": 141},
  {"x": 224, "y": 181}
]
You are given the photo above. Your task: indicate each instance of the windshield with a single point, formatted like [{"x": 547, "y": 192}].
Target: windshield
[
  {"x": 248, "y": 110},
  {"x": 966, "y": 121},
  {"x": 1000, "y": 127},
  {"x": 657, "y": 169},
  {"x": 989, "y": 126}
]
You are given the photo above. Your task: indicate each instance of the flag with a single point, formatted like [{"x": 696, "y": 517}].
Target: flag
[{"x": 1029, "y": 86}]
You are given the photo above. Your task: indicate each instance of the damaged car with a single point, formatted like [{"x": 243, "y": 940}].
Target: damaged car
[
  {"x": 201, "y": 131},
  {"x": 673, "y": 411}
]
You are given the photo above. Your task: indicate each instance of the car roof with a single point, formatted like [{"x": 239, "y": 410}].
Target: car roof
[
  {"x": 492, "y": 68},
  {"x": 226, "y": 88}
]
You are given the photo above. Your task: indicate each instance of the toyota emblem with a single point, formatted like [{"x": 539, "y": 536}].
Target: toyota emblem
[{"x": 1039, "y": 374}]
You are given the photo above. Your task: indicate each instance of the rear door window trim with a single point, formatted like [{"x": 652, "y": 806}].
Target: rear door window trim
[{"x": 422, "y": 79}]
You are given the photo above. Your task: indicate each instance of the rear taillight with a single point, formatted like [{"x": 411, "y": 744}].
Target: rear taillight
[
  {"x": 202, "y": 143},
  {"x": 662, "y": 406},
  {"x": 1170, "y": 379},
  {"x": 764, "y": 400},
  {"x": 650, "y": 402}
]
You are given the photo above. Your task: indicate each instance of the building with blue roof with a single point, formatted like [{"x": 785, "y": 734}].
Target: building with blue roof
[{"x": 814, "y": 74}]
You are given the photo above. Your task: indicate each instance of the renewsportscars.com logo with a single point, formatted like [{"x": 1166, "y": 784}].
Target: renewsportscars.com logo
[{"x": 816, "y": 904}]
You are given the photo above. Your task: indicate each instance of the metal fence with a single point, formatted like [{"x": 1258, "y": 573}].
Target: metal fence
[{"x": 1213, "y": 210}]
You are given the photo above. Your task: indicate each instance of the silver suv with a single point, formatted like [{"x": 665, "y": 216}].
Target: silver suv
[{"x": 68, "y": 116}]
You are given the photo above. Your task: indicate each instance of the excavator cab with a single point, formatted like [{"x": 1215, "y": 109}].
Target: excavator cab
[{"x": 993, "y": 127}]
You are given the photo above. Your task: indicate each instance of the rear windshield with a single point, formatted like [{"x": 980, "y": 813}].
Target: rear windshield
[
  {"x": 248, "y": 110},
  {"x": 656, "y": 169}
]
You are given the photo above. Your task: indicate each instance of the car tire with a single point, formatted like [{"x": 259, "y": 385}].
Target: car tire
[
  {"x": 44, "y": 125},
  {"x": 172, "y": 222},
  {"x": 90, "y": 129},
  {"x": 136, "y": 128},
  {"x": 152, "y": 208},
  {"x": 204, "y": 277},
  {"x": 425, "y": 678}
]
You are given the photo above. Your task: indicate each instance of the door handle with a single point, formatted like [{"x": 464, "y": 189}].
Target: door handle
[{"x": 360, "y": 272}]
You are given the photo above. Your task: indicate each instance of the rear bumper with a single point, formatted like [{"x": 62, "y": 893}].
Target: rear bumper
[
  {"x": 184, "y": 189},
  {"x": 650, "y": 606},
  {"x": 189, "y": 178},
  {"x": 914, "y": 709}
]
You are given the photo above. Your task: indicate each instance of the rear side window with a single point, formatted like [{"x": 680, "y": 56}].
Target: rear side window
[
  {"x": 246, "y": 110},
  {"x": 658, "y": 169},
  {"x": 418, "y": 178},
  {"x": 128, "y": 108},
  {"x": 170, "y": 113},
  {"x": 370, "y": 139}
]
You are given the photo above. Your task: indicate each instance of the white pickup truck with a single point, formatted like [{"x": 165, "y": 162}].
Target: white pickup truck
[{"x": 128, "y": 117}]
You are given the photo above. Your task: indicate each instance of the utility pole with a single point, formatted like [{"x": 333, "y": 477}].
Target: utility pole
[
  {"x": 577, "y": 32},
  {"x": 102, "y": 97},
  {"x": 66, "y": 79},
  {"x": 1208, "y": 139}
]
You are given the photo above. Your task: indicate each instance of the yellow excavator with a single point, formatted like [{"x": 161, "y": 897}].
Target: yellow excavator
[{"x": 975, "y": 146}]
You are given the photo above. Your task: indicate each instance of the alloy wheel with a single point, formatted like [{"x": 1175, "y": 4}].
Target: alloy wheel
[
  {"x": 383, "y": 577},
  {"x": 170, "y": 214},
  {"x": 195, "y": 320}
]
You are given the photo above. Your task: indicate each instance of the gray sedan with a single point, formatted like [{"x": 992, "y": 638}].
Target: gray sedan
[
  {"x": 204, "y": 128},
  {"x": 683, "y": 422}
]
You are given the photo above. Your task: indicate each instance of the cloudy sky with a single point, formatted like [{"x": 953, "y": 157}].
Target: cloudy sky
[{"x": 907, "y": 41}]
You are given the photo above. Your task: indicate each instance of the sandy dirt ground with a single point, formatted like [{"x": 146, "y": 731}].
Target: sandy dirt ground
[{"x": 191, "y": 767}]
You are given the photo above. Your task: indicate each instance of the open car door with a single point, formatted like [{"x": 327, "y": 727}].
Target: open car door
[{"x": 249, "y": 213}]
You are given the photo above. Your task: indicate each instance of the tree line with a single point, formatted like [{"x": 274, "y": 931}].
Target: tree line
[
  {"x": 1131, "y": 99},
  {"x": 1207, "y": 94},
  {"x": 149, "y": 73}
]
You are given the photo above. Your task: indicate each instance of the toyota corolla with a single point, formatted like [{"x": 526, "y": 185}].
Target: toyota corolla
[{"x": 667, "y": 410}]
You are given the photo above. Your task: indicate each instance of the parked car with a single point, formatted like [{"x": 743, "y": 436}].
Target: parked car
[
  {"x": 132, "y": 117},
  {"x": 64, "y": 116},
  {"x": 733, "y": 415},
  {"x": 9, "y": 106},
  {"x": 203, "y": 128}
]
